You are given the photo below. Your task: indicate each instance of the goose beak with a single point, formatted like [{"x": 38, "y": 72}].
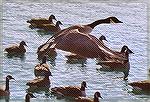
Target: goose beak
[
  {"x": 33, "y": 96},
  {"x": 101, "y": 97},
  {"x": 120, "y": 22},
  {"x": 55, "y": 19},
  {"x": 25, "y": 44},
  {"x": 13, "y": 79},
  {"x": 130, "y": 51}
]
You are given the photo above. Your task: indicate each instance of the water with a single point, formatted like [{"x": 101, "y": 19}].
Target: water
[{"x": 133, "y": 32}]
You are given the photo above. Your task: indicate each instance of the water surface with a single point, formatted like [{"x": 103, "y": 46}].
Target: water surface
[{"x": 133, "y": 32}]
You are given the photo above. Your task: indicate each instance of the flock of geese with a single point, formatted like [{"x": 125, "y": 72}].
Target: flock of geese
[{"x": 78, "y": 40}]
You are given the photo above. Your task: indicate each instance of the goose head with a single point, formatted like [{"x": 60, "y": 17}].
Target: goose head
[
  {"x": 58, "y": 23},
  {"x": 23, "y": 43},
  {"x": 126, "y": 49},
  {"x": 97, "y": 95},
  {"x": 113, "y": 20},
  {"x": 9, "y": 77},
  {"x": 52, "y": 17},
  {"x": 102, "y": 38},
  {"x": 83, "y": 84}
]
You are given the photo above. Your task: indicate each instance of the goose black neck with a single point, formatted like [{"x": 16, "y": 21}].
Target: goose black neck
[
  {"x": 27, "y": 98},
  {"x": 127, "y": 55},
  {"x": 7, "y": 84},
  {"x": 57, "y": 24},
  {"x": 96, "y": 99},
  {"x": 82, "y": 88},
  {"x": 92, "y": 25}
]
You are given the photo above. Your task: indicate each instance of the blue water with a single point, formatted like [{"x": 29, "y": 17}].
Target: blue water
[{"x": 133, "y": 32}]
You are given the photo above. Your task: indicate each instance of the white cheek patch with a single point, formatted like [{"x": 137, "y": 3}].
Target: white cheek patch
[{"x": 96, "y": 95}]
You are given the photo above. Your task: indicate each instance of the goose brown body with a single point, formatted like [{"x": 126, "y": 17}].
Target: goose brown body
[
  {"x": 15, "y": 49},
  {"x": 51, "y": 27},
  {"x": 143, "y": 85},
  {"x": 39, "y": 82},
  {"x": 42, "y": 69},
  {"x": 37, "y": 22},
  {"x": 6, "y": 92},
  {"x": 71, "y": 91}
]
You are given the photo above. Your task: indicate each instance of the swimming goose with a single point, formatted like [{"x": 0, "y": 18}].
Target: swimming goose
[
  {"x": 28, "y": 96},
  {"x": 6, "y": 92},
  {"x": 15, "y": 49},
  {"x": 42, "y": 69},
  {"x": 75, "y": 56},
  {"x": 142, "y": 85},
  {"x": 84, "y": 99},
  {"x": 40, "y": 21},
  {"x": 46, "y": 50},
  {"x": 39, "y": 82},
  {"x": 51, "y": 27},
  {"x": 118, "y": 64},
  {"x": 71, "y": 91},
  {"x": 89, "y": 27}
]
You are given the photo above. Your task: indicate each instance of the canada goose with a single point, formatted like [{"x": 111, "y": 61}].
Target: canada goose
[
  {"x": 119, "y": 64},
  {"x": 28, "y": 96},
  {"x": 51, "y": 27},
  {"x": 84, "y": 99},
  {"x": 15, "y": 49},
  {"x": 142, "y": 85},
  {"x": 42, "y": 69},
  {"x": 71, "y": 91},
  {"x": 35, "y": 22},
  {"x": 6, "y": 92}
]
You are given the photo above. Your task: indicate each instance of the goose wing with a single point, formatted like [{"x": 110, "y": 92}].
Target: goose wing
[
  {"x": 11, "y": 49},
  {"x": 42, "y": 70},
  {"x": 68, "y": 91},
  {"x": 83, "y": 44},
  {"x": 38, "y": 82}
]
